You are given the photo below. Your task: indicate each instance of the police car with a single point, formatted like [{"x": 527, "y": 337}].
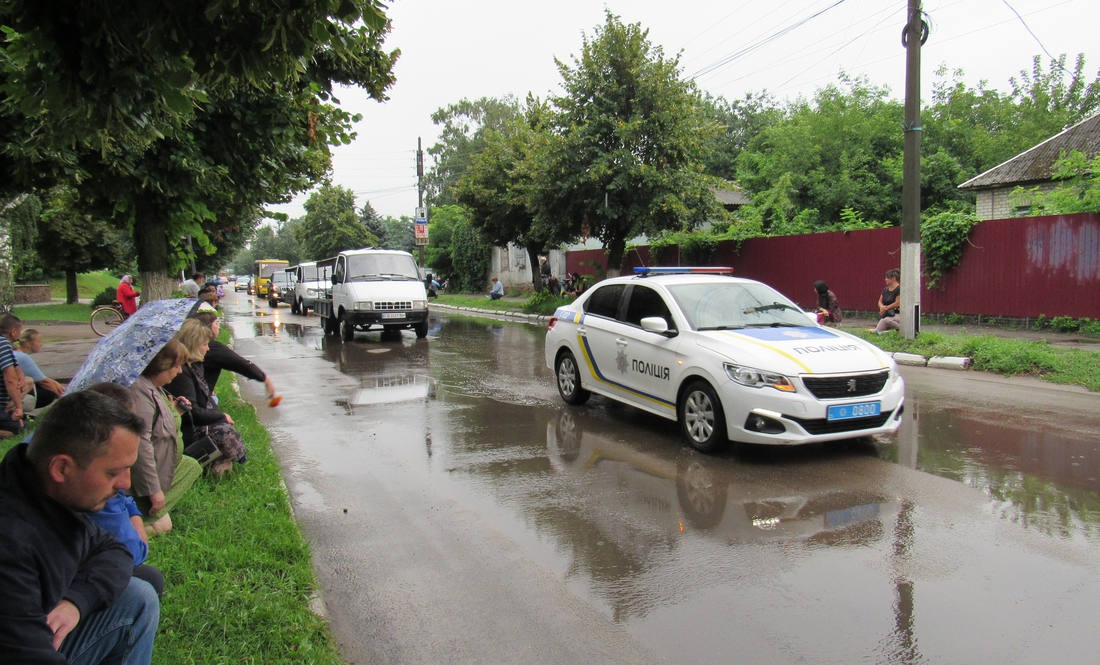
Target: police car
[{"x": 729, "y": 358}]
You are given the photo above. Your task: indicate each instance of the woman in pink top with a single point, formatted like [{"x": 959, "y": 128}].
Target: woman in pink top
[{"x": 127, "y": 295}]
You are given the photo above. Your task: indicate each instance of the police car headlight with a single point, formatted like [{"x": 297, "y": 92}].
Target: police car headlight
[
  {"x": 754, "y": 378},
  {"x": 420, "y": 304}
]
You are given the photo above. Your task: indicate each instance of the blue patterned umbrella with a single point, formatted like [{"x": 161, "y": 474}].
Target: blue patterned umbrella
[{"x": 123, "y": 354}]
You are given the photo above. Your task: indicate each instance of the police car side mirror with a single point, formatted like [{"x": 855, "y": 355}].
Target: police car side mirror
[
  {"x": 812, "y": 316},
  {"x": 656, "y": 324}
]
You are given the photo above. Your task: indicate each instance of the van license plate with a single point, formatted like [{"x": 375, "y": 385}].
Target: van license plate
[
  {"x": 849, "y": 411},
  {"x": 393, "y": 315}
]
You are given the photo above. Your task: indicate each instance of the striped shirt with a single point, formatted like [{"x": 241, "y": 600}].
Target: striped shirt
[{"x": 7, "y": 359}]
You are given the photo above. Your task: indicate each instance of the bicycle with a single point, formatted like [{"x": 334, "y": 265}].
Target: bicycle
[{"x": 106, "y": 317}]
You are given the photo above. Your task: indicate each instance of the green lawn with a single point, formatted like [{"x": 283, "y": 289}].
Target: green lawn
[
  {"x": 1002, "y": 355},
  {"x": 88, "y": 285},
  {"x": 59, "y": 312}
]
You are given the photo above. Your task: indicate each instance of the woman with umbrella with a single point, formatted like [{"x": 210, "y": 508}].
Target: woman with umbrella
[
  {"x": 162, "y": 473},
  {"x": 190, "y": 384}
]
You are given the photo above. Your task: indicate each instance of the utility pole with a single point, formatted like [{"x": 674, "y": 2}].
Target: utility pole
[
  {"x": 914, "y": 34},
  {"x": 419, "y": 193}
]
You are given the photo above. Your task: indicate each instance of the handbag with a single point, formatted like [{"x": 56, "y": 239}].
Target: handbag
[{"x": 203, "y": 450}]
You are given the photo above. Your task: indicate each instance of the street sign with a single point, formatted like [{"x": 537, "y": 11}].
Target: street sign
[
  {"x": 422, "y": 231},
  {"x": 421, "y": 215}
]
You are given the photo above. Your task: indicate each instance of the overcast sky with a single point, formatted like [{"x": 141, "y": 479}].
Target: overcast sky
[{"x": 474, "y": 48}]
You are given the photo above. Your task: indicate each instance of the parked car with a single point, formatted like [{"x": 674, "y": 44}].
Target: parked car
[{"x": 729, "y": 358}]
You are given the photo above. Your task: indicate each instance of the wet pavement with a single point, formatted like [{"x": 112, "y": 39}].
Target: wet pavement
[{"x": 460, "y": 512}]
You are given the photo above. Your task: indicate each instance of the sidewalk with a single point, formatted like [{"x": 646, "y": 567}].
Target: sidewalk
[{"x": 1062, "y": 340}]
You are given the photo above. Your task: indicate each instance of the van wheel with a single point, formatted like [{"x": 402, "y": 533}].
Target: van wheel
[
  {"x": 347, "y": 329},
  {"x": 701, "y": 417},
  {"x": 569, "y": 380},
  {"x": 421, "y": 330},
  {"x": 294, "y": 308}
]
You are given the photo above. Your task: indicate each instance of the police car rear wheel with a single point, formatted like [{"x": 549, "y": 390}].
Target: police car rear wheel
[
  {"x": 569, "y": 380},
  {"x": 701, "y": 418}
]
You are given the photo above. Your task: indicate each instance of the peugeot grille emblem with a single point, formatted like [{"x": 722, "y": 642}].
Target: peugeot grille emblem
[{"x": 851, "y": 385}]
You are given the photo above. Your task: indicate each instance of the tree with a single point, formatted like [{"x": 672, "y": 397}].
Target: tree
[
  {"x": 184, "y": 122},
  {"x": 625, "y": 154},
  {"x": 73, "y": 242},
  {"x": 373, "y": 222},
  {"x": 738, "y": 122},
  {"x": 331, "y": 224},
  {"x": 22, "y": 224},
  {"x": 500, "y": 188},
  {"x": 829, "y": 154},
  {"x": 1078, "y": 188},
  {"x": 400, "y": 233},
  {"x": 464, "y": 124}
]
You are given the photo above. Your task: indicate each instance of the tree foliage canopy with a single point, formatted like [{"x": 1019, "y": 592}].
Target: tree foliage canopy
[{"x": 331, "y": 224}]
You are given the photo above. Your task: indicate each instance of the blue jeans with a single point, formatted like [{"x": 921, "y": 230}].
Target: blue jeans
[{"x": 121, "y": 633}]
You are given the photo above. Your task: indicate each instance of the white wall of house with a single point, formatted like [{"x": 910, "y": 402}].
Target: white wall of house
[
  {"x": 510, "y": 265},
  {"x": 994, "y": 203}
]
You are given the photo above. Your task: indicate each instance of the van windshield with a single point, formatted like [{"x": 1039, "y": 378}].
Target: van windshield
[
  {"x": 382, "y": 266},
  {"x": 309, "y": 273}
]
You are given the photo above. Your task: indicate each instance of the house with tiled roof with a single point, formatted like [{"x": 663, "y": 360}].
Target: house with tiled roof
[{"x": 1030, "y": 169}]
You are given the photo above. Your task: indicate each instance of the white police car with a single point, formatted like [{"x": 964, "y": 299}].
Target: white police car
[{"x": 730, "y": 358}]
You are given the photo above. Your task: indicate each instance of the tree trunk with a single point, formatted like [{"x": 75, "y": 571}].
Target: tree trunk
[
  {"x": 615, "y": 250},
  {"x": 72, "y": 294},
  {"x": 533, "y": 261},
  {"x": 7, "y": 288},
  {"x": 151, "y": 243}
]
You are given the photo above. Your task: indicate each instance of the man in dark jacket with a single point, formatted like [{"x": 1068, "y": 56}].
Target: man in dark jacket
[{"x": 67, "y": 591}]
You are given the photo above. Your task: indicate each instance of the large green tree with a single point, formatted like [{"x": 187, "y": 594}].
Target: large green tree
[
  {"x": 626, "y": 150},
  {"x": 223, "y": 108},
  {"x": 462, "y": 136},
  {"x": 500, "y": 188},
  {"x": 72, "y": 241},
  {"x": 331, "y": 224}
]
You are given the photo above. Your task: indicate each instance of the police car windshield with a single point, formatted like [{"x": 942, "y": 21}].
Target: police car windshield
[
  {"x": 382, "y": 266},
  {"x": 729, "y": 306}
]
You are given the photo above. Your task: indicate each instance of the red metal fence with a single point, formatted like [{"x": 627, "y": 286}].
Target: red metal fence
[{"x": 1020, "y": 267}]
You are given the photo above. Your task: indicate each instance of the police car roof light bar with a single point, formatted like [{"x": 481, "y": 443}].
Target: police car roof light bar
[{"x": 684, "y": 270}]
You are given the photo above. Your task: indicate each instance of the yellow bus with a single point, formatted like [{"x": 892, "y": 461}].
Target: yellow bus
[{"x": 261, "y": 277}]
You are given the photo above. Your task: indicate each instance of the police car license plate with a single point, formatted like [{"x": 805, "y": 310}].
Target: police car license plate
[
  {"x": 849, "y": 411},
  {"x": 393, "y": 315}
]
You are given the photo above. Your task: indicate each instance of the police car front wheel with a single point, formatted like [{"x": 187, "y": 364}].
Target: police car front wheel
[
  {"x": 701, "y": 417},
  {"x": 569, "y": 380}
]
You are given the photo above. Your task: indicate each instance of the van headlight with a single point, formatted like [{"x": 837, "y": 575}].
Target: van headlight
[
  {"x": 754, "y": 378},
  {"x": 420, "y": 304},
  {"x": 364, "y": 304},
  {"x": 311, "y": 293}
]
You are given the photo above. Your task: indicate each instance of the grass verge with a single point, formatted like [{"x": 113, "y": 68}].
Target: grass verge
[
  {"x": 238, "y": 572},
  {"x": 480, "y": 302},
  {"x": 59, "y": 312},
  {"x": 1000, "y": 355},
  {"x": 88, "y": 285}
]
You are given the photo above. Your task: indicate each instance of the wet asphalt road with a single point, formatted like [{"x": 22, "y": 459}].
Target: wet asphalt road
[{"x": 460, "y": 513}]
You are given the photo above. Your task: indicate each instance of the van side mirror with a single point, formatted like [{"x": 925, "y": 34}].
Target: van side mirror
[{"x": 334, "y": 280}]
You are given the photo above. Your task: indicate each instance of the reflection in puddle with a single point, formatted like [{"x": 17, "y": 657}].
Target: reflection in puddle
[
  {"x": 1039, "y": 478},
  {"x": 390, "y": 389}
]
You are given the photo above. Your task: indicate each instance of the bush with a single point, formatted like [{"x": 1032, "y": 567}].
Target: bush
[
  {"x": 544, "y": 303},
  {"x": 1064, "y": 324},
  {"x": 105, "y": 297}
]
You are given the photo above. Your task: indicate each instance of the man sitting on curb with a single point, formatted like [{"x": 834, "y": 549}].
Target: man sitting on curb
[
  {"x": 13, "y": 384},
  {"x": 68, "y": 594}
]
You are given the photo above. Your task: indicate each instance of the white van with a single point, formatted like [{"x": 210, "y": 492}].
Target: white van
[
  {"x": 377, "y": 288},
  {"x": 311, "y": 281}
]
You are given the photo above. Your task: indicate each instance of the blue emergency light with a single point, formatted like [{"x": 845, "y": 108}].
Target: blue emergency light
[{"x": 684, "y": 270}]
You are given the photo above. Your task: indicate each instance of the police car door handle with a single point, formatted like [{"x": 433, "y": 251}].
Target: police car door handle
[{"x": 621, "y": 341}]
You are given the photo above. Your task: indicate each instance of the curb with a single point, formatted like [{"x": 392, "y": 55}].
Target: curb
[
  {"x": 496, "y": 313},
  {"x": 935, "y": 362}
]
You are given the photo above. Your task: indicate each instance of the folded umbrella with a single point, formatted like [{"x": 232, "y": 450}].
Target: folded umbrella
[{"x": 124, "y": 354}]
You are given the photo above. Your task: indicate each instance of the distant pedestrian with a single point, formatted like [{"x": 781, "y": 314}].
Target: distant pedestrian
[
  {"x": 127, "y": 296},
  {"x": 888, "y": 310},
  {"x": 828, "y": 309},
  {"x": 497, "y": 292}
]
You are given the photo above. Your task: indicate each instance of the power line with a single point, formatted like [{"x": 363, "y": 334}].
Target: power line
[
  {"x": 760, "y": 44},
  {"x": 1039, "y": 41}
]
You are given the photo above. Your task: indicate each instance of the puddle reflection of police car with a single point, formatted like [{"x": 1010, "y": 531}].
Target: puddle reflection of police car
[{"x": 728, "y": 358}]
